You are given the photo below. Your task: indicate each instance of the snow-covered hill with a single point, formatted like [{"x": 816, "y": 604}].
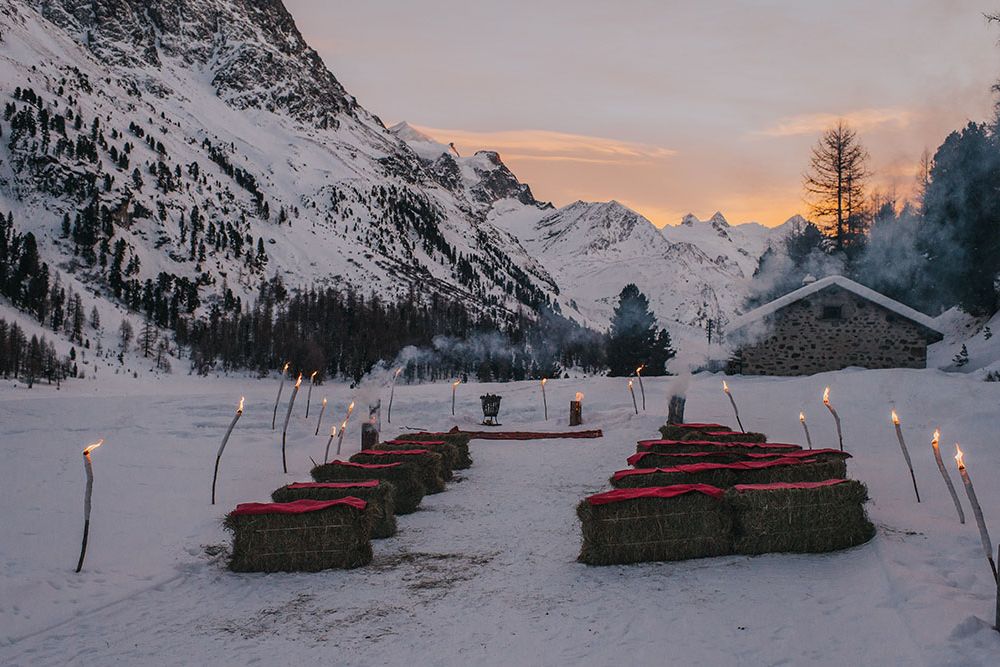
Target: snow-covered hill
[{"x": 202, "y": 144}]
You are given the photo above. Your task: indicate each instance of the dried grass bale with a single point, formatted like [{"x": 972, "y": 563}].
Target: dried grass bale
[
  {"x": 404, "y": 477},
  {"x": 658, "y": 459},
  {"x": 305, "y": 535},
  {"x": 380, "y": 496},
  {"x": 427, "y": 462},
  {"x": 816, "y": 518},
  {"x": 448, "y": 452},
  {"x": 681, "y": 431},
  {"x": 459, "y": 440},
  {"x": 724, "y": 475},
  {"x": 685, "y": 446},
  {"x": 654, "y": 524}
]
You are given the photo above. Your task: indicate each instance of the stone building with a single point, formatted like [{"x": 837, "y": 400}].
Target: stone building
[{"x": 827, "y": 325}]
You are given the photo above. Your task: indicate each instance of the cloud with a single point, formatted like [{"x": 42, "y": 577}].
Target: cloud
[
  {"x": 547, "y": 146},
  {"x": 861, "y": 119}
]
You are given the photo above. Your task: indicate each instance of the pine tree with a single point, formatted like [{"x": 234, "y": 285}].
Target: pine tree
[
  {"x": 634, "y": 339},
  {"x": 835, "y": 183}
]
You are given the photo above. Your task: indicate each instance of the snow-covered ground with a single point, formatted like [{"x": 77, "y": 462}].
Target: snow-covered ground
[{"x": 484, "y": 573}]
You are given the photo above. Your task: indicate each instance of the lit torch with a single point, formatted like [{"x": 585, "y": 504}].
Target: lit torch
[
  {"x": 906, "y": 452},
  {"x": 392, "y": 393},
  {"x": 732, "y": 401},
  {"x": 89, "y": 469},
  {"x": 632, "y": 391},
  {"x": 836, "y": 417},
  {"x": 284, "y": 372},
  {"x": 944, "y": 473},
  {"x": 576, "y": 410},
  {"x": 333, "y": 434},
  {"x": 977, "y": 511},
  {"x": 642, "y": 390},
  {"x": 225, "y": 439},
  {"x": 805, "y": 427},
  {"x": 454, "y": 386},
  {"x": 319, "y": 421},
  {"x": 284, "y": 429},
  {"x": 545, "y": 403},
  {"x": 343, "y": 427},
  {"x": 309, "y": 393}
]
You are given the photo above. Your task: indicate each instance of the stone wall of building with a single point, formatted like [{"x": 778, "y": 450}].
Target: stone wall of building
[{"x": 809, "y": 337}]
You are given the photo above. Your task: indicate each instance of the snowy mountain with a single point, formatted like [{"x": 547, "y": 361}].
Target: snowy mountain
[{"x": 187, "y": 150}]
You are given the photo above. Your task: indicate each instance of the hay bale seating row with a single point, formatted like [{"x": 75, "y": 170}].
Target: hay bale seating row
[
  {"x": 380, "y": 496},
  {"x": 427, "y": 462},
  {"x": 654, "y": 524},
  {"x": 697, "y": 520},
  {"x": 659, "y": 459},
  {"x": 737, "y": 447},
  {"x": 724, "y": 475},
  {"x": 303, "y": 535},
  {"x": 716, "y": 432},
  {"x": 459, "y": 440},
  {"x": 448, "y": 452},
  {"x": 405, "y": 478}
]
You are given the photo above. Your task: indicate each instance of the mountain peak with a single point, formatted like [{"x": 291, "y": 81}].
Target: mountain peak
[
  {"x": 407, "y": 132},
  {"x": 718, "y": 220}
]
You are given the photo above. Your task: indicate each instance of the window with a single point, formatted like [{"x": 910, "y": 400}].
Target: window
[{"x": 832, "y": 313}]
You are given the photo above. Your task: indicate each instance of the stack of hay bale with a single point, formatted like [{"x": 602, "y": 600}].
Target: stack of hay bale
[
  {"x": 329, "y": 522},
  {"x": 705, "y": 490}
]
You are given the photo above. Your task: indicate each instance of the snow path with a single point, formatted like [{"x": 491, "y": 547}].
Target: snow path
[{"x": 485, "y": 573}]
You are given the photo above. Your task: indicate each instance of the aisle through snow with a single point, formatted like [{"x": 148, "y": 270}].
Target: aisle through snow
[{"x": 485, "y": 572}]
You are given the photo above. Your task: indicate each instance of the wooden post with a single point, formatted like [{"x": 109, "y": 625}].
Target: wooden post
[
  {"x": 676, "y": 412},
  {"x": 369, "y": 436},
  {"x": 575, "y": 413}
]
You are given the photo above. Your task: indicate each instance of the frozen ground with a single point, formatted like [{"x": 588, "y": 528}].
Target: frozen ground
[{"x": 485, "y": 573}]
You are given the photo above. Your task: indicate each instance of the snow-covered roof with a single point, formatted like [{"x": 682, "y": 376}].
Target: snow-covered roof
[{"x": 845, "y": 283}]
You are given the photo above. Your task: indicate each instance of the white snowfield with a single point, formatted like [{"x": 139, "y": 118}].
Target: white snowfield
[{"x": 484, "y": 574}]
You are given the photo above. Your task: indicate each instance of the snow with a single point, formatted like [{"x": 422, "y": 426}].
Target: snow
[
  {"x": 846, "y": 283},
  {"x": 484, "y": 573}
]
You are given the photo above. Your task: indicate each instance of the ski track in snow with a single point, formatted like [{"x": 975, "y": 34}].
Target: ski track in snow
[{"x": 484, "y": 573}]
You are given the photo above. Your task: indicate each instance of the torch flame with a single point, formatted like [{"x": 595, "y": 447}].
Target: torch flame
[
  {"x": 285, "y": 369},
  {"x": 343, "y": 425},
  {"x": 725, "y": 387},
  {"x": 544, "y": 380},
  {"x": 456, "y": 383},
  {"x": 895, "y": 418},
  {"x": 398, "y": 371},
  {"x": 630, "y": 385},
  {"x": 89, "y": 448},
  {"x": 324, "y": 400},
  {"x": 826, "y": 396},
  {"x": 313, "y": 376},
  {"x": 299, "y": 381},
  {"x": 639, "y": 370},
  {"x": 802, "y": 417},
  {"x": 937, "y": 437},
  {"x": 350, "y": 409},
  {"x": 239, "y": 408},
  {"x": 579, "y": 396},
  {"x": 958, "y": 457}
]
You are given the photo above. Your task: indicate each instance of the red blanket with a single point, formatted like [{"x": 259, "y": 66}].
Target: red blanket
[
  {"x": 702, "y": 427},
  {"x": 787, "y": 485},
  {"x": 369, "y": 466},
  {"x": 802, "y": 453},
  {"x": 618, "y": 495},
  {"x": 394, "y": 452},
  {"x": 702, "y": 467},
  {"x": 298, "y": 506},
  {"x": 364, "y": 483},
  {"x": 415, "y": 443},
  {"x": 638, "y": 456},
  {"x": 648, "y": 444}
]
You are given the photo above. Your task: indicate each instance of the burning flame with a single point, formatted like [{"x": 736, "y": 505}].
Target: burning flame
[
  {"x": 313, "y": 376},
  {"x": 630, "y": 385},
  {"x": 802, "y": 417},
  {"x": 398, "y": 371},
  {"x": 579, "y": 397},
  {"x": 544, "y": 380},
  {"x": 639, "y": 370},
  {"x": 456, "y": 383},
  {"x": 937, "y": 438},
  {"x": 895, "y": 418},
  {"x": 285, "y": 369},
  {"x": 324, "y": 401},
  {"x": 299, "y": 381},
  {"x": 350, "y": 409},
  {"x": 725, "y": 387},
  {"x": 239, "y": 408},
  {"x": 343, "y": 425},
  {"x": 89, "y": 448},
  {"x": 826, "y": 396},
  {"x": 958, "y": 457}
]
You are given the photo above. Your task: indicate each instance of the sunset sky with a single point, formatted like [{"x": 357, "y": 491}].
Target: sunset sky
[{"x": 668, "y": 107}]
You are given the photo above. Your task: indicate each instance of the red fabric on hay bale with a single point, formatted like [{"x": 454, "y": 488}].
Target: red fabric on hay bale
[
  {"x": 701, "y": 467},
  {"x": 648, "y": 444},
  {"x": 297, "y": 506},
  {"x": 701, "y": 427},
  {"x": 788, "y": 485},
  {"x": 364, "y": 483},
  {"x": 804, "y": 453},
  {"x": 395, "y": 452},
  {"x": 370, "y": 466},
  {"x": 619, "y": 495},
  {"x": 416, "y": 442}
]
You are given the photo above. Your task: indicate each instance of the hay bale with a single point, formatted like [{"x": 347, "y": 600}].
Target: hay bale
[
  {"x": 813, "y": 518},
  {"x": 404, "y": 477},
  {"x": 723, "y": 475},
  {"x": 448, "y": 452},
  {"x": 685, "y": 446},
  {"x": 679, "y": 431},
  {"x": 427, "y": 462},
  {"x": 301, "y": 536},
  {"x": 658, "y": 459},
  {"x": 654, "y": 524},
  {"x": 726, "y": 436},
  {"x": 380, "y": 496},
  {"x": 456, "y": 438}
]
